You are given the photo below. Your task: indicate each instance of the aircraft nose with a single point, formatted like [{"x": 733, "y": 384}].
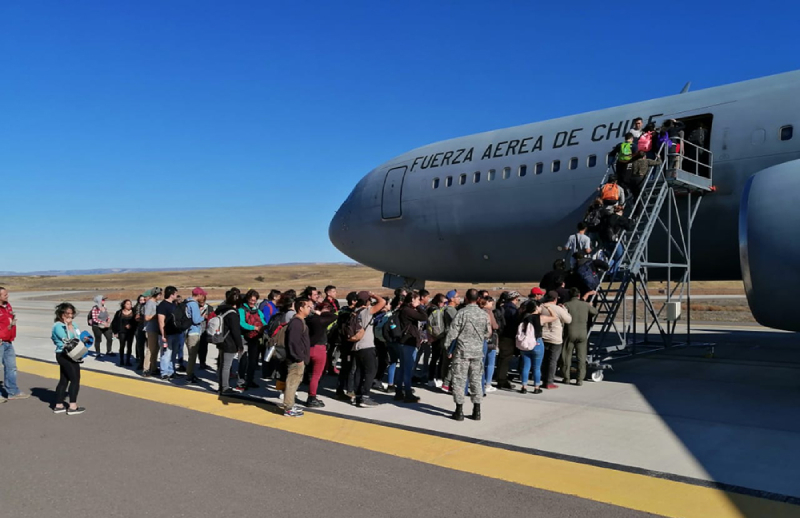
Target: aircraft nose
[{"x": 339, "y": 229}]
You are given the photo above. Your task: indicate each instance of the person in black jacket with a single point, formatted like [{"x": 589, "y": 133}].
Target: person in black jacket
[
  {"x": 298, "y": 354},
  {"x": 318, "y": 322},
  {"x": 232, "y": 344},
  {"x": 411, "y": 313}
]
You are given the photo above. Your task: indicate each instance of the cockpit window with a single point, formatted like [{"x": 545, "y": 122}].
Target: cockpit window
[{"x": 787, "y": 132}]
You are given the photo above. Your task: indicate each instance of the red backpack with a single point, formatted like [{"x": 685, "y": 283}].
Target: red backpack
[{"x": 645, "y": 142}]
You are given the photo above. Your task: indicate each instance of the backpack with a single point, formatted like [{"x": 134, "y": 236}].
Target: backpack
[
  {"x": 610, "y": 192},
  {"x": 436, "y": 323},
  {"x": 89, "y": 317},
  {"x": 252, "y": 317},
  {"x": 267, "y": 309},
  {"x": 180, "y": 321},
  {"x": 526, "y": 337},
  {"x": 392, "y": 329},
  {"x": 500, "y": 318},
  {"x": 588, "y": 276},
  {"x": 115, "y": 323},
  {"x": 278, "y": 338},
  {"x": 593, "y": 218},
  {"x": 380, "y": 324},
  {"x": 645, "y": 142},
  {"x": 353, "y": 331},
  {"x": 216, "y": 328}
]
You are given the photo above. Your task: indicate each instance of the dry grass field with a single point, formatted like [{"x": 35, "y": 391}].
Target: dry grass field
[{"x": 346, "y": 277}]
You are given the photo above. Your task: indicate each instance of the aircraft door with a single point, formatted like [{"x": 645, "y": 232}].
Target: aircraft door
[{"x": 391, "y": 203}]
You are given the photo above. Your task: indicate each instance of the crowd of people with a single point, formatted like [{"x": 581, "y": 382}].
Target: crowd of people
[{"x": 368, "y": 343}]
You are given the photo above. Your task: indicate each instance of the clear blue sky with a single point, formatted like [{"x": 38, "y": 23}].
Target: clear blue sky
[{"x": 195, "y": 133}]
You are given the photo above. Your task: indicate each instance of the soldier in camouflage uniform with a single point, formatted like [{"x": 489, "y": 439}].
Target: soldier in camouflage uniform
[{"x": 468, "y": 330}]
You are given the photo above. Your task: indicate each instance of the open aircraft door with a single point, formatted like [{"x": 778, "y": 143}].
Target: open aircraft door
[{"x": 392, "y": 201}]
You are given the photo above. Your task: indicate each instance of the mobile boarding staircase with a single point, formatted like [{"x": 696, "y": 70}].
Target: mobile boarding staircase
[{"x": 655, "y": 213}]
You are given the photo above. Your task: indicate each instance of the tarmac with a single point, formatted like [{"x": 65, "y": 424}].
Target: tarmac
[{"x": 727, "y": 425}]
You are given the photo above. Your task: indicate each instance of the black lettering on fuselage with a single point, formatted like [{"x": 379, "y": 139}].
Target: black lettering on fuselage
[
  {"x": 498, "y": 150},
  {"x": 560, "y": 140},
  {"x": 468, "y": 158},
  {"x": 595, "y": 137},
  {"x": 457, "y": 158},
  {"x": 538, "y": 144},
  {"x": 487, "y": 153},
  {"x": 435, "y": 161},
  {"x": 615, "y": 130},
  {"x": 446, "y": 158},
  {"x": 428, "y": 164},
  {"x": 522, "y": 145},
  {"x": 512, "y": 147},
  {"x": 572, "y": 141}
]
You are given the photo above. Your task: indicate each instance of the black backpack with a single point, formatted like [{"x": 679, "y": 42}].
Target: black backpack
[
  {"x": 500, "y": 318},
  {"x": 588, "y": 276},
  {"x": 181, "y": 321},
  {"x": 392, "y": 328}
]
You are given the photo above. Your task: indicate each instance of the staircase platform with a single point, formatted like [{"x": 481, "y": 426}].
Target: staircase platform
[{"x": 681, "y": 179}]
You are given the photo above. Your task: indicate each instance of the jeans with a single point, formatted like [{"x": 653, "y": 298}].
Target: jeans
[
  {"x": 489, "y": 356},
  {"x": 423, "y": 354},
  {"x": 170, "y": 352},
  {"x": 99, "y": 334},
  {"x": 534, "y": 357},
  {"x": 395, "y": 352},
  {"x": 224, "y": 369},
  {"x": 409, "y": 355},
  {"x": 10, "y": 370}
]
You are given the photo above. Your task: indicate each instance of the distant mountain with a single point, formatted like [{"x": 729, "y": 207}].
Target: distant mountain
[
  {"x": 106, "y": 271},
  {"x": 96, "y": 271}
]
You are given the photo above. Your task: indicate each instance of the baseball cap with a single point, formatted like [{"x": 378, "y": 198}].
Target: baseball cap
[
  {"x": 537, "y": 291},
  {"x": 198, "y": 291},
  {"x": 155, "y": 292},
  {"x": 451, "y": 294},
  {"x": 513, "y": 295},
  {"x": 363, "y": 296}
]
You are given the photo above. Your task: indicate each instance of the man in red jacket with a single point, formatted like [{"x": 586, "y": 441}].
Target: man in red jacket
[{"x": 8, "y": 332}]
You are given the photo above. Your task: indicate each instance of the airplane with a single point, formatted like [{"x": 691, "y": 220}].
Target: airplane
[{"x": 494, "y": 206}]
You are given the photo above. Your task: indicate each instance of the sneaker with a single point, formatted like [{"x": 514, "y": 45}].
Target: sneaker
[
  {"x": 341, "y": 396},
  {"x": 21, "y": 395},
  {"x": 431, "y": 384},
  {"x": 181, "y": 368},
  {"x": 367, "y": 403},
  {"x": 77, "y": 411},
  {"x": 228, "y": 392},
  {"x": 438, "y": 383},
  {"x": 193, "y": 379},
  {"x": 295, "y": 411},
  {"x": 3, "y": 400},
  {"x": 411, "y": 398},
  {"x": 551, "y": 386},
  {"x": 445, "y": 388},
  {"x": 505, "y": 385},
  {"x": 523, "y": 390},
  {"x": 537, "y": 391},
  {"x": 314, "y": 403},
  {"x": 491, "y": 389},
  {"x": 166, "y": 377},
  {"x": 62, "y": 410},
  {"x": 237, "y": 390},
  {"x": 579, "y": 383}
]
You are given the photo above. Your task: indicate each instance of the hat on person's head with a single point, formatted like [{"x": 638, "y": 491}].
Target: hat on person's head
[
  {"x": 155, "y": 292},
  {"x": 537, "y": 291},
  {"x": 451, "y": 294},
  {"x": 513, "y": 295},
  {"x": 363, "y": 296},
  {"x": 198, "y": 291},
  {"x": 146, "y": 294}
]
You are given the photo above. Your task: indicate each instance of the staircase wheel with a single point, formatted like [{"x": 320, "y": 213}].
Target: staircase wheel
[{"x": 597, "y": 376}]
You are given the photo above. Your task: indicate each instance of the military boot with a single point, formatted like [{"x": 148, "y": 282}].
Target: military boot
[
  {"x": 458, "y": 415},
  {"x": 476, "y": 412}
]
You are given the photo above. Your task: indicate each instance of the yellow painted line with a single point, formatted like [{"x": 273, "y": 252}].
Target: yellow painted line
[{"x": 630, "y": 490}]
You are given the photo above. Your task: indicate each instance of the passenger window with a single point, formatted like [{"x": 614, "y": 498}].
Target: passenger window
[
  {"x": 490, "y": 175},
  {"x": 592, "y": 161},
  {"x": 610, "y": 159},
  {"x": 435, "y": 183},
  {"x": 448, "y": 182},
  {"x": 787, "y": 132},
  {"x": 573, "y": 163},
  {"x": 506, "y": 173},
  {"x": 523, "y": 170},
  {"x": 462, "y": 179},
  {"x": 556, "y": 166},
  {"x": 476, "y": 178},
  {"x": 539, "y": 168}
]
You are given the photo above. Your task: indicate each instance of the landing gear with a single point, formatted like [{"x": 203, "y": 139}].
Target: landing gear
[{"x": 597, "y": 376}]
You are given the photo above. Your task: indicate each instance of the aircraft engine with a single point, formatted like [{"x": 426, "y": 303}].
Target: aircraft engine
[{"x": 769, "y": 245}]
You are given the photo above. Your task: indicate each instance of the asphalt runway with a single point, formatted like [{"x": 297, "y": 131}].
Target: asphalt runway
[{"x": 130, "y": 457}]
